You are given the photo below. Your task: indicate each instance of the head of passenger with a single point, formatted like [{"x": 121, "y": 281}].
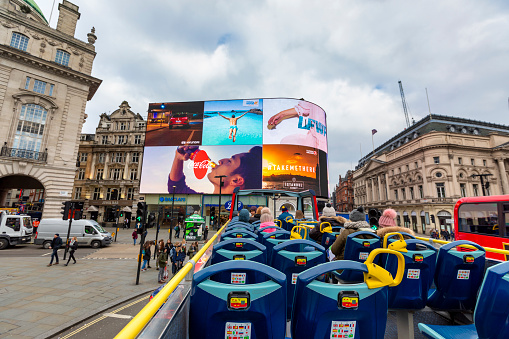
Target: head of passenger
[
  {"x": 259, "y": 210},
  {"x": 329, "y": 211},
  {"x": 299, "y": 215},
  {"x": 265, "y": 210},
  {"x": 233, "y": 115},
  {"x": 266, "y": 218},
  {"x": 387, "y": 218},
  {"x": 244, "y": 215}
]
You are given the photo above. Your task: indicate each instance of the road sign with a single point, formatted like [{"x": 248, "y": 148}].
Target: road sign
[{"x": 228, "y": 205}]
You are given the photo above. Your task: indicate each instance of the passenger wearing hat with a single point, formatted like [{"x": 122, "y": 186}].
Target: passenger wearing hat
[
  {"x": 357, "y": 223},
  {"x": 387, "y": 224},
  {"x": 244, "y": 215},
  {"x": 282, "y": 217},
  {"x": 328, "y": 215}
]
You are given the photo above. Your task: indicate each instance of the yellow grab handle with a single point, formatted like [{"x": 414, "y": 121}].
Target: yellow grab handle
[
  {"x": 326, "y": 229},
  {"x": 379, "y": 277},
  {"x": 399, "y": 245},
  {"x": 278, "y": 222},
  {"x": 296, "y": 234}
]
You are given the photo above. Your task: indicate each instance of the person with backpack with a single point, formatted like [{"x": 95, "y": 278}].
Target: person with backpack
[
  {"x": 73, "y": 246},
  {"x": 162, "y": 260},
  {"x": 146, "y": 255}
]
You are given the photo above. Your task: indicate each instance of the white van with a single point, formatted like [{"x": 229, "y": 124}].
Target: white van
[
  {"x": 14, "y": 230},
  {"x": 87, "y": 232}
]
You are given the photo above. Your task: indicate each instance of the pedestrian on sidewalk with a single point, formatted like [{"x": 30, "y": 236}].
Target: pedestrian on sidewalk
[
  {"x": 135, "y": 236},
  {"x": 56, "y": 243},
  {"x": 157, "y": 248},
  {"x": 452, "y": 235},
  {"x": 162, "y": 260},
  {"x": 146, "y": 255},
  {"x": 177, "y": 231},
  {"x": 73, "y": 246},
  {"x": 193, "y": 249},
  {"x": 150, "y": 252}
]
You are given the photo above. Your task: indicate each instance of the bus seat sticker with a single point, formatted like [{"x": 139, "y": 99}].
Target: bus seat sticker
[
  {"x": 418, "y": 257},
  {"x": 366, "y": 244},
  {"x": 343, "y": 329},
  {"x": 237, "y": 330},
  {"x": 413, "y": 274},
  {"x": 239, "y": 235},
  {"x": 301, "y": 261},
  {"x": 463, "y": 274},
  {"x": 238, "y": 278},
  {"x": 239, "y": 245},
  {"x": 327, "y": 241},
  {"x": 273, "y": 237},
  {"x": 363, "y": 255},
  {"x": 468, "y": 259},
  {"x": 239, "y": 257},
  {"x": 294, "y": 278}
]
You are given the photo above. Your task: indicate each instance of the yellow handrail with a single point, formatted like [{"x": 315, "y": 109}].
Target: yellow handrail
[
  {"x": 138, "y": 323},
  {"x": 488, "y": 249}
]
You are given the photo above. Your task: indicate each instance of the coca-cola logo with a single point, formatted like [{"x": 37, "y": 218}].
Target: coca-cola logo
[{"x": 201, "y": 164}]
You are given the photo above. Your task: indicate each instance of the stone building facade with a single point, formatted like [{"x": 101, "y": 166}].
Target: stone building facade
[
  {"x": 45, "y": 83},
  {"x": 424, "y": 170},
  {"x": 109, "y": 165}
]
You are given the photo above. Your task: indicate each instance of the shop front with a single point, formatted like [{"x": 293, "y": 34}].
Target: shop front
[{"x": 168, "y": 207}]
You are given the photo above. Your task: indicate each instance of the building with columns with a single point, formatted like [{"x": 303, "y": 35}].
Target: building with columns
[
  {"x": 109, "y": 165},
  {"x": 45, "y": 83},
  {"x": 422, "y": 171}
]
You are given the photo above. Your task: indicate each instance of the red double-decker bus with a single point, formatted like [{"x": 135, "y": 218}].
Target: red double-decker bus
[{"x": 485, "y": 221}]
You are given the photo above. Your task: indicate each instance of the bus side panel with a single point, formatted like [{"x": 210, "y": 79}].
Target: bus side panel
[{"x": 487, "y": 241}]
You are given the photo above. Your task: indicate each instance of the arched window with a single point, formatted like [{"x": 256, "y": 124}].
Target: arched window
[
  {"x": 30, "y": 128},
  {"x": 19, "y": 41},
  {"x": 62, "y": 57}
]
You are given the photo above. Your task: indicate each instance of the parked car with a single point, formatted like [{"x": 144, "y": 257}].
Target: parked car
[
  {"x": 87, "y": 232},
  {"x": 179, "y": 119}
]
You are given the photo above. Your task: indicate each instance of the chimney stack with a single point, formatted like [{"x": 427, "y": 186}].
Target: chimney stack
[{"x": 67, "y": 18}]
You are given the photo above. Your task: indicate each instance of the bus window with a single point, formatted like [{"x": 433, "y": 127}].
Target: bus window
[
  {"x": 478, "y": 218},
  {"x": 506, "y": 217}
]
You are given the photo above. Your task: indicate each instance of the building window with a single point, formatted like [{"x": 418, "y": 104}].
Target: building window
[
  {"x": 51, "y": 88},
  {"x": 19, "y": 41},
  {"x": 421, "y": 192},
  {"x": 27, "y": 83},
  {"x": 83, "y": 157},
  {"x": 484, "y": 163},
  {"x": 403, "y": 194},
  {"x": 30, "y": 128},
  {"x": 440, "y": 190},
  {"x": 135, "y": 157},
  {"x": 134, "y": 174},
  {"x": 97, "y": 193},
  {"x": 102, "y": 158},
  {"x": 119, "y": 157},
  {"x": 438, "y": 174},
  {"x": 411, "y": 193},
  {"x": 476, "y": 190},
  {"x": 416, "y": 164},
  {"x": 436, "y": 160},
  {"x": 121, "y": 139},
  {"x": 99, "y": 174},
  {"x": 392, "y": 172},
  {"x": 463, "y": 190},
  {"x": 39, "y": 86},
  {"x": 104, "y": 140},
  {"x": 77, "y": 193},
  {"x": 472, "y": 162},
  {"x": 81, "y": 174},
  {"x": 460, "y": 161},
  {"x": 130, "y": 193},
  {"x": 62, "y": 57},
  {"x": 408, "y": 168},
  {"x": 137, "y": 139},
  {"x": 396, "y": 195},
  {"x": 123, "y": 126},
  {"x": 116, "y": 174}
]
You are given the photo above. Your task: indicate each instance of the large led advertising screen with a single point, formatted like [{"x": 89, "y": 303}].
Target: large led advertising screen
[{"x": 190, "y": 147}]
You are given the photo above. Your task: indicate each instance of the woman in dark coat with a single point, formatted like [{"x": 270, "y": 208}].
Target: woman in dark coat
[{"x": 73, "y": 246}]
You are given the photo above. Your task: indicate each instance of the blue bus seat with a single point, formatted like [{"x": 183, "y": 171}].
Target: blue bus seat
[
  {"x": 358, "y": 249},
  {"x": 458, "y": 276},
  {"x": 491, "y": 315},
  {"x": 328, "y": 238},
  {"x": 261, "y": 233},
  {"x": 288, "y": 223},
  {"x": 412, "y": 292},
  {"x": 239, "y": 249},
  {"x": 255, "y": 223},
  {"x": 239, "y": 233},
  {"x": 272, "y": 239},
  {"x": 241, "y": 224},
  {"x": 240, "y": 309},
  {"x": 293, "y": 257},
  {"x": 323, "y": 310}
]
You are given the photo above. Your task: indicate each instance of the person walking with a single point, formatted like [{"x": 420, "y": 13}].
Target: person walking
[
  {"x": 162, "y": 260},
  {"x": 146, "y": 255},
  {"x": 56, "y": 243},
  {"x": 135, "y": 236},
  {"x": 193, "y": 249},
  {"x": 73, "y": 246},
  {"x": 452, "y": 235},
  {"x": 157, "y": 248}
]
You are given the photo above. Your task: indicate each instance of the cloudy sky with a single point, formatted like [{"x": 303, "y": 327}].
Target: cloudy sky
[{"x": 346, "y": 56}]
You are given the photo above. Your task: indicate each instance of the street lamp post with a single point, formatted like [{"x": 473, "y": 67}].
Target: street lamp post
[
  {"x": 220, "y": 185},
  {"x": 483, "y": 185},
  {"x": 172, "y": 204},
  {"x": 274, "y": 198}
]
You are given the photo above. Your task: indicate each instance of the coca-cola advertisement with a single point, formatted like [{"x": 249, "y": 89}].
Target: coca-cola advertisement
[{"x": 200, "y": 169}]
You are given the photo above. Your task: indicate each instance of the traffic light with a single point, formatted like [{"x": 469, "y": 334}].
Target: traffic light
[
  {"x": 212, "y": 213},
  {"x": 65, "y": 209},
  {"x": 151, "y": 220},
  {"x": 373, "y": 215},
  {"x": 432, "y": 218},
  {"x": 141, "y": 212},
  {"x": 78, "y": 210}
]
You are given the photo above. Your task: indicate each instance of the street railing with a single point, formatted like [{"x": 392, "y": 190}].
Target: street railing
[
  {"x": 136, "y": 325},
  {"x": 23, "y": 154}
]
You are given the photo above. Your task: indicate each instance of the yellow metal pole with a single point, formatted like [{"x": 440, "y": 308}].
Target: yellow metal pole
[{"x": 488, "y": 249}]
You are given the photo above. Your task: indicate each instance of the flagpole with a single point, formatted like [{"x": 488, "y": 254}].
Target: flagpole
[{"x": 373, "y": 142}]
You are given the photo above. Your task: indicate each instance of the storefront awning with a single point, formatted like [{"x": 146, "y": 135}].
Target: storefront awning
[
  {"x": 127, "y": 209},
  {"x": 92, "y": 209}
]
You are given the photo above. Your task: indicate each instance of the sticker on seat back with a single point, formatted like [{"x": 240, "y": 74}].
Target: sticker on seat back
[
  {"x": 294, "y": 278},
  {"x": 363, "y": 255},
  {"x": 413, "y": 274},
  {"x": 237, "y": 331},
  {"x": 238, "y": 278},
  {"x": 343, "y": 329},
  {"x": 463, "y": 274}
]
